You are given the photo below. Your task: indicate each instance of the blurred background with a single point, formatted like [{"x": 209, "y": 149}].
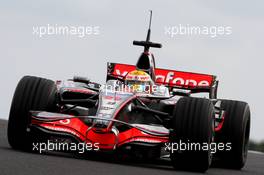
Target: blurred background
[{"x": 237, "y": 59}]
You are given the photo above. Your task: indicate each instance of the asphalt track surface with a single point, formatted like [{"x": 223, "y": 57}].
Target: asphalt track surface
[{"x": 14, "y": 162}]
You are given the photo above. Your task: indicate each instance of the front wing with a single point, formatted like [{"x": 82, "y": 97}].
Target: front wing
[{"x": 76, "y": 127}]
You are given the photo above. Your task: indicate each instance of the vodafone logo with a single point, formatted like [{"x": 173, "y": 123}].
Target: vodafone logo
[
  {"x": 65, "y": 122},
  {"x": 176, "y": 78},
  {"x": 171, "y": 78}
]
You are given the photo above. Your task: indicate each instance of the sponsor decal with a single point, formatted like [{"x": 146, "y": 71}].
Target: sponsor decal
[
  {"x": 83, "y": 91},
  {"x": 111, "y": 103},
  {"x": 138, "y": 77},
  {"x": 174, "y": 79},
  {"x": 106, "y": 108},
  {"x": 148, "y": 140},
  {"x": 171, "y": 77},
  {"x": 65, "y": 122},
  {"x": 62, "y": 130}
]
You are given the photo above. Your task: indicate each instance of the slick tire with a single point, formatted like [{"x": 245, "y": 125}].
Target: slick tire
[
  {"x": 235, "y": 131},
  {"x": 193, "y": 122},
  {"x": 32, "y": 93}
]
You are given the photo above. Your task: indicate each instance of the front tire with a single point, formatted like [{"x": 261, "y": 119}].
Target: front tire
[
  {"x": 235, "y": 131},
  {"x": 193, "y": 122},
  {"x": 32, "y": 93}
]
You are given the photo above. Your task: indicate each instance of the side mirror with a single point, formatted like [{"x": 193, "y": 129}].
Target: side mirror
[{"x": 81, "y": 79}]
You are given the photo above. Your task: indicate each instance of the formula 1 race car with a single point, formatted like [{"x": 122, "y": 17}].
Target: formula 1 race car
[{"x": 140, "y": 110}]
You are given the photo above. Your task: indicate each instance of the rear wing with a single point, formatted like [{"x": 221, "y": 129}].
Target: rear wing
[{"x": 195, "y": 82}]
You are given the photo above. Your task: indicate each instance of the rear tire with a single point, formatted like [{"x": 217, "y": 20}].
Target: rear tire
[
  {"x": 32, "y": 93},
  {"x": 193, "y": 122},
  {"x": 236, "y": 130}
]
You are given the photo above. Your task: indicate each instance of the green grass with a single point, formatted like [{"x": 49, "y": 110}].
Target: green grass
[{"x": 256, "y": 146}]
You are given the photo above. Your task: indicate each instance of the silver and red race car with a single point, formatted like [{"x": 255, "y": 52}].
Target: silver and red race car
[{"x": 140, "y": 110}]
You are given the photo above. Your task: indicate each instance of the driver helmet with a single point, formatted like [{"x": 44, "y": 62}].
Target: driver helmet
[{"x": 138, "y": 81}]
